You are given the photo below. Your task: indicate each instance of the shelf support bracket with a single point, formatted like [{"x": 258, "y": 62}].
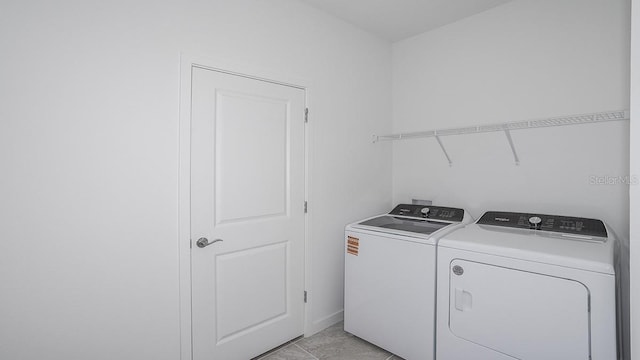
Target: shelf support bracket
[
  {"x": 513, "y": 148},
  {"x": 443, "y": 150}
]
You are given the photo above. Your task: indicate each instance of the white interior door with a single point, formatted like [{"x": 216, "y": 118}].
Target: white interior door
[{"x": 247, "y": 189}]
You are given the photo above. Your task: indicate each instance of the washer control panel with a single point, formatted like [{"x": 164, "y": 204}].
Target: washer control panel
[
  {"x": 429, "y": 212},
  {"x": 555, "y": 223}
]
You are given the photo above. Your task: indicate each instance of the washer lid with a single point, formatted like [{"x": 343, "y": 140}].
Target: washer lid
[
  {"x": 405, "y": 224},
  {"x": 411, "y": 222}
]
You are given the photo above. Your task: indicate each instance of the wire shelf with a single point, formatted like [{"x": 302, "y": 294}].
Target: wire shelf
[{"x": 618, "y": 115}]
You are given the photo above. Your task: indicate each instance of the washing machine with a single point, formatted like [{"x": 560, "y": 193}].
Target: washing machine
[
  {"x": 390, "y": 274},
  {"x": 527, "y": 286}
]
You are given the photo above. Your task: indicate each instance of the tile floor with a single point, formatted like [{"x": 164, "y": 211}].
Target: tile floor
[{"x": 332, "y": 343}]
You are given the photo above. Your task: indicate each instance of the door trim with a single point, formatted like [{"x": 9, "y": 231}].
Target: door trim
[{"x": 187, "y": 62}]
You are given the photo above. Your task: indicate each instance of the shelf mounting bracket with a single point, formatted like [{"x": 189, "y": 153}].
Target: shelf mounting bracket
[
  {"x": 443, "y": 150},
  {"x": 513, "y": 148}
]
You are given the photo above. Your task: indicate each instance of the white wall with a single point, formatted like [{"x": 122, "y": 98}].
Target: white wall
[
  {"x": 524, "y": 60},
  {"x": 634, "y": 212},
  {"x": 89, "y": 107}
]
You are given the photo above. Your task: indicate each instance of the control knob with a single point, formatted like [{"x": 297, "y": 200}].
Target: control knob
[
  {"x": 535, "y": 222},
  {"x": 425, "y": 211}
]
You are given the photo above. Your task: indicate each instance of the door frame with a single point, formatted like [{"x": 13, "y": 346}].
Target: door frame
[{"x": 187, "y": 62}]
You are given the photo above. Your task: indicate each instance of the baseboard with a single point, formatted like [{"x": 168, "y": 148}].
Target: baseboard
[{"x": 323, "y": 323}]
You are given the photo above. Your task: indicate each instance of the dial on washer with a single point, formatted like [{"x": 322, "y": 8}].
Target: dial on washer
[{"x": 535, "y": 222}]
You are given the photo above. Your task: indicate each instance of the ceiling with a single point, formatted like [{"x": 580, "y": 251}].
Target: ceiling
[{"x": 399, "y": 19}]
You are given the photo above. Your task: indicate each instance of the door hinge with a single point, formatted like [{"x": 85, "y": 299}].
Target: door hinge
[
  {"x": 305, "y": 296},
  {"x": 306, "y": 207},
  {"x": 306, "y": 115}
]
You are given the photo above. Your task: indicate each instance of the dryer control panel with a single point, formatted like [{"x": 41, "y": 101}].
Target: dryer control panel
[
  {"x": 555, "y": 223},
  {"x": 429, "y": 212}
]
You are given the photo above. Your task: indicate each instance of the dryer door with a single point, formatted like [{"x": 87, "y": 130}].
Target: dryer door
[{"x": 521, "y": 314}]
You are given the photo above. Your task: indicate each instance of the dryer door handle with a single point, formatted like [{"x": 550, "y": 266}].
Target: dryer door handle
[{"x": 464, "y": 300}]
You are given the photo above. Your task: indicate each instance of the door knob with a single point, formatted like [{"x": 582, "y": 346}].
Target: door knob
[{"x": 204, "y": 242}]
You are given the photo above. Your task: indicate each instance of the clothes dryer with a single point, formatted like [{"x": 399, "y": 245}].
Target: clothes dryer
[{"x": 527, "y": 286}]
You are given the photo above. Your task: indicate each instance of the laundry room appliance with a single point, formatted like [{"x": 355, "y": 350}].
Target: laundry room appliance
[
  {"x": 390, "y": 264},
  {"x": 527, "y": 286}
]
